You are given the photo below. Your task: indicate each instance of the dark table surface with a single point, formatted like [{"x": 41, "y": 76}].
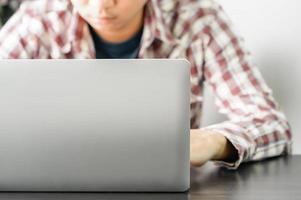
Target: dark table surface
[{"x": 277, "y": 178}]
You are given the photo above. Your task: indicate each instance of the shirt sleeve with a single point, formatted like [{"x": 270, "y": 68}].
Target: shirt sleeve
[
  {"x": 257, "y": 127},
  {"x": 16, "y": 39}
]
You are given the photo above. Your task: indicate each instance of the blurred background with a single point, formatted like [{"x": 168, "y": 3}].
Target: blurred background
[
  {"x": 7, "y": 8},
  {"x": 272, "y": 32}
]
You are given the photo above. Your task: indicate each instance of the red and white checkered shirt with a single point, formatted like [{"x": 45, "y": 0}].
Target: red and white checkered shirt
[{"x": 198, "y": 30}]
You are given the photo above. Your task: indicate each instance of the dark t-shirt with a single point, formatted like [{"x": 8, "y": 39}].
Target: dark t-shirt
[{"x": 126, "y": 49}]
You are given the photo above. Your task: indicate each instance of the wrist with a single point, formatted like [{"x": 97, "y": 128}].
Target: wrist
[{"x": 225, "y": 151}]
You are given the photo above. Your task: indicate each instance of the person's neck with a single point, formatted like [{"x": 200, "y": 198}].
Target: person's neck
[{"x": 124, "y": 33}]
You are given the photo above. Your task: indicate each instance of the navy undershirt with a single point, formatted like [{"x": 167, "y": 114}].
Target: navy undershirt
[{"x": 127, "y": 49}]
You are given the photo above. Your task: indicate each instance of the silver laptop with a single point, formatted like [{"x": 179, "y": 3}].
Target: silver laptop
[{"x": 94, "y": 125}]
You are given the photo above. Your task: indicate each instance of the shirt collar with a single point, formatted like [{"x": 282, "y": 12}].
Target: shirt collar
[
  {"x": 155, "y": 26},
  {"x": 78, "y": 31}
]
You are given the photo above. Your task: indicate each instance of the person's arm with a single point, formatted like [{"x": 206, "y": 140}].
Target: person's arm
[
  {"x": 17, "y": 38},
  {"x": 256, "y": 128}
]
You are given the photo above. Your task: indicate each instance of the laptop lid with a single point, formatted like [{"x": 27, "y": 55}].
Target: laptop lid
[{"x": 94, "y": 125}]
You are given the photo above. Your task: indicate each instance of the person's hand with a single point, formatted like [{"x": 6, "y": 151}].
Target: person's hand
[{"x": 208, "y": 145}]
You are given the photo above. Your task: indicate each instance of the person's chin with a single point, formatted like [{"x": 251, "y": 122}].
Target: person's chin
[
  {"x": 103, "y": 27},
  {"x": 103, "y": 21}
]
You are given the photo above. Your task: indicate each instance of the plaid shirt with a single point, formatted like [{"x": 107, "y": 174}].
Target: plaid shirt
[{"x": 197, "y": 30}]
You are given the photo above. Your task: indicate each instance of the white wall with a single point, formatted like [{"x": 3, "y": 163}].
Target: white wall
[{"x": 272, "y": 30}]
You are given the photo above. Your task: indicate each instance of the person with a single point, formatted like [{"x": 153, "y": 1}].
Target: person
[{"x": 198, "y": 30}]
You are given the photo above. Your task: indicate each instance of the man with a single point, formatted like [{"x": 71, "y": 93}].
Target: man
[{"x": 198, "y": 30}]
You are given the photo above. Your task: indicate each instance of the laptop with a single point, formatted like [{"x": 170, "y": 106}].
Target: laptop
[{"x": 95, "y": 125}]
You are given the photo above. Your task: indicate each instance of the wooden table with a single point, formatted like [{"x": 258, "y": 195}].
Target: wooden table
[{"x": 277, "y": 178}]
